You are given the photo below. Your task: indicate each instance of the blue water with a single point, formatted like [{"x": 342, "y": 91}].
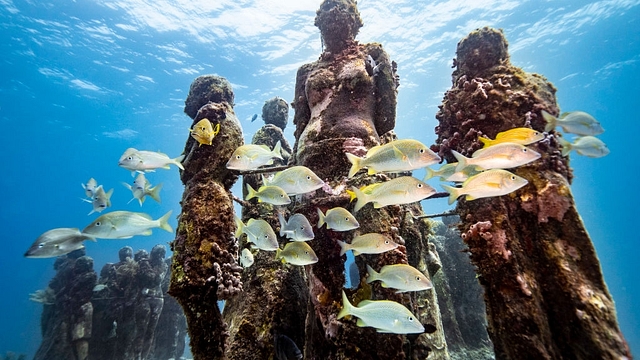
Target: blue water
[{"x": 82, "y": 81}]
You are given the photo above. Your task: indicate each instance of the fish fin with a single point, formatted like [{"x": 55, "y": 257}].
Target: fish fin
[
  {"x": 154, "y": 192},
  {"x": 163, "y": 222},
  {"x": 356, "y": 252},
  {"x": 86, "y": 200},
  {"x": 362, "y": 199},
  {"x": 344, "y": 247},
  {"x": 178, "y": 162},
  {"x": 278, "y": 253},
  {"x": 126, "y": 185},
  {"x": 277, "y": 150},
  {"x": 146, "y": 232},
  {"x": 361, "y": 323},
  {"x": 486, "y": 141},
  {"x": 462, "y": 160},
  {"x": 373, "y": 275},
  {"x": 239, "y": 226},
  {"x": 347, "y": 308},
  {"x": 320, "y": 218},
  {"x": 454, "y": 192},
  {"x": 429, "y": 174},
  {"x": 216, "y": 130},
  {"x": 282, "y": 223},
  {"x": 551, "y": 121},
  {"x": 352, "y": 195},
  {"x": 566, "y": 146},
  {"x": 355, "y": 164},
  {"x": 399, "y": 153},
  {"x": 251, "y": 192},
  {"x": 125, "y": 237}
]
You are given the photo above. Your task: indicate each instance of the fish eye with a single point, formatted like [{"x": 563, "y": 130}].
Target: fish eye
[
  {"x": 98, "y": 223},
  {"x": 419, "y": 186},
  {"x": 386, "y": 242},
  {"x": 281, "y": 195},
  {"x": 513, "y": 177},
  {"x": 417, "y": 278},
  {"x": 421, "y": 151},
  {"x": 524, "y": 150},
  {"x": 306, "y": 252},
  {"x": 129, "y": 158},
  {"x": 308, "y": 177},
  {"x": 40, "y": 246},
  {"x": 238, "y": 157},
  {"x": 410, "y": 318},
  {"x": 346, "y": 219},
  {"x": 536, "y": 133}
]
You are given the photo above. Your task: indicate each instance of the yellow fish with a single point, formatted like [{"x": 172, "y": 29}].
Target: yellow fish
[
  {"x": 204, "y": 132},
  {"x": 522, "y": 136},
  {"x": 396, "y": 156},
  {"x": 402, "y": 190}
]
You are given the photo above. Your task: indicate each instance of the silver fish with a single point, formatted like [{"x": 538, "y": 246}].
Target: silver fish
[
  {"x": 250, "y": 156},
  {"x": 146, "y": 161},
  {"x": 402, "y": 277},
  {"x": 383, "y": 315},
  {"x": 295, "y": 180},
  {"x": 371, "y": 243},
  {"x": 101, "y": 200},
  {"x": 586, "y": 146},
  {"x": 575, "y": 122},
  {"x": 401, "y": 190},
  {"x": 269, "y": 194},
  {"x": 297, "y": 228},
  {"x": 125, "y": 224},
  {"x": 259, "y": 232},
  {"x": 495, "y": 182},
  {"x": 337, "y": 219},
  {"x": 90, "y": 187},
  {"x": 396, "y": 156},
  {"x": 500, "y": 156},
  {"x": 246, "y": 258},
  {"x": 141, "y": 188},
  {"x": 56, "y": 242},
  {"x": 297, "y": 253}
]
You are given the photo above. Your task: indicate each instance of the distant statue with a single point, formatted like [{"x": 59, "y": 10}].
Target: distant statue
[{"x": 345, "y": 100}]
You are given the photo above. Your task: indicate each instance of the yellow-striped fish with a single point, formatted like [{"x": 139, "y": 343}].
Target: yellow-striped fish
[
  {"x": 384, "y": 315},
  {"x": 501, "y": 156},
  {"x": 402, "y": 190},
  {"x": 396, "y": 156},
  {"x": 522, "y": 136},
  {"x": 495, "y": 182}
]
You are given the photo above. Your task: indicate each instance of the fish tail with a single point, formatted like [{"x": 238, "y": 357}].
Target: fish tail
[
  {"x": 462, "y": 160},
  {"x": 278, "y": 253},
  {"x": 164, "y": 222},
  {"x": 239, "y": 226},
  {"x": 251, "y": 192},
  {"x": 277, "y": 150},
  {"x": 453, "y": 192},
  {"x": 282, "y": 223},
  {"x": 344, "y": 247},
  {"x": 355, "y": 164},
  {"x": 347, "y": 308},
  {"x": 486, "y": 141},
  {"x": 373, "y": 275},
  {"x": 428, "y": 175},
  {"x": 566, "y": 146},
  {"x": 154, "y": 192},
  {"x": 320, "y": 218},
  {"x": 362, "y": 199},
  {"x": 178, "y": 162},
  {"x": 551, "y": 121}
]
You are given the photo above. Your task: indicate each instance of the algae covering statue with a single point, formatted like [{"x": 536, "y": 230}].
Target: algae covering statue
[{"x": 346, "y": 99}]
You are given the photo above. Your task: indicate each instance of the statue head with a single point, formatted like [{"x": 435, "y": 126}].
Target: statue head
[
  {"x": 339, "y": 22},
  {"x": 158, "y": 253},
  {"x": 124, "y": 253},
  {"x": 141, "y": 254}
]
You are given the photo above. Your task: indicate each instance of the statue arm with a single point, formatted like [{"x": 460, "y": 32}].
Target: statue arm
[{"x": 386, "y": 84}]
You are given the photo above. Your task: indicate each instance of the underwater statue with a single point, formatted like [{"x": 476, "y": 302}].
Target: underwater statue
[
  {"x": 345, "y": 103},
  {"x": 66, "y": 322},
  {"x": 544, "y": 291},
  {"x": 205, "y": 268}
]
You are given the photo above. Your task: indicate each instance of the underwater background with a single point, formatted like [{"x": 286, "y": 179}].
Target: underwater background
[{"x": 83, "y": 81}]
